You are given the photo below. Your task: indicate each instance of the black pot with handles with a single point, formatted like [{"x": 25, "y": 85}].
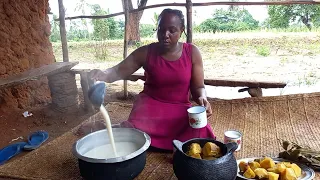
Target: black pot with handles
[{"x": 186, "y": 167}]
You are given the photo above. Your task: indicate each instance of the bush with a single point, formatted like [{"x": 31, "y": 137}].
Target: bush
[
  {"x": 147, "y": 30},
  {"x": 263, "y": 51},
  {"x": 209, "y": 25},
  {"x": 229, "y": 21}
]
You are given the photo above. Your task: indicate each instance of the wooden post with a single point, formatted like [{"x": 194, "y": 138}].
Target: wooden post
[
  {"x": 125, "y": 43},
  {"x": 63, "y": 31},
  {"x": 189, "y": 20},
  {"x": 86, "y": 84}
]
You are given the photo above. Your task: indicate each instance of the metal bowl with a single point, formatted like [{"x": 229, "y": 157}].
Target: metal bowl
[{"x": 125, "y": 167}]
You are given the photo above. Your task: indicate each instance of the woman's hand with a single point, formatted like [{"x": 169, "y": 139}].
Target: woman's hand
[
  {"x": 98, "y": 75},
  {"x": 204, "y": 102}
]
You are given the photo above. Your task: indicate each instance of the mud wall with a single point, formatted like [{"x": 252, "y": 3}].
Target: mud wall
[{"x": 24, "y": 44}]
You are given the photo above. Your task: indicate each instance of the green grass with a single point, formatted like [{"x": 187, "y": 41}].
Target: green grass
[
  {"x": 239, "y": 53},
  {"x": 309, "y": 81},
  {"x": 292, "y": 29},
  {"x": 263, "y": 51}
]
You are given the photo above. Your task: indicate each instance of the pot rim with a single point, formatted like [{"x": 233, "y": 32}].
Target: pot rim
[
  {"x": 233, "y": 130},
  {"x": 193, "y": 107},
  {"x": 141, "y": 150}
]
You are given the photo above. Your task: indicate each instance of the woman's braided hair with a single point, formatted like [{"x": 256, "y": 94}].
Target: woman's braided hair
[{"x": 177, "y": 13}]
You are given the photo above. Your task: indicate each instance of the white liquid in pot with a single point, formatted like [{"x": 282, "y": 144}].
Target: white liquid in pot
[
  {"x": 105, "y": 151},
  {"x": 105, "y": 114}
]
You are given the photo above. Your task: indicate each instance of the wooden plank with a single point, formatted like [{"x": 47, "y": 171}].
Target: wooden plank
[
  {"x": 228, "y": 82},
  {"x": 36, "y": 73},
  {"x": 63, "y": 32},
  {"x": 220, "y": 82},
  {"x": 137, "y": 76},
  {"x": 243, "y": 83},
  {"x": 78, "y": 71},
  {"x": 189, "y": 21},
  {"x": 234, "y": 3},
  {"x": 85, "y": 85}
]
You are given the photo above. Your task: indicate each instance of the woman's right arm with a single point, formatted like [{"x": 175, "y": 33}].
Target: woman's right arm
[{"x": 124, "y": 69}]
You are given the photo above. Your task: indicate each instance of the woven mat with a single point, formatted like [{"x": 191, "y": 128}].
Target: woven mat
[{"x": 261, "y": 120}]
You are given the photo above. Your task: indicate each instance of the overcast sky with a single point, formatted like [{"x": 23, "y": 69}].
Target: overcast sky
[{"x": 202, "y": 13}]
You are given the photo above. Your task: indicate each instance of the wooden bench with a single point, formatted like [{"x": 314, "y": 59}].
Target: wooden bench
[
  {"x": 61, "y": 81},
  {"x": 36, "y": 73},
  {"x": 253, "y": 87}
]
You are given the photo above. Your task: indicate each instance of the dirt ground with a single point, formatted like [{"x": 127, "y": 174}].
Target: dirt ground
[{"x": 15, "y": 127}]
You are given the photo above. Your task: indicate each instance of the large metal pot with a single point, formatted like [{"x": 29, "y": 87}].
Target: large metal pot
[
  {"x": 186, "y": 167},
  {"x": 120, "y": 168}
]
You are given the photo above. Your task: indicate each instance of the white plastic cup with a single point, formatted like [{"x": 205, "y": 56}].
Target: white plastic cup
[
  {"x": 233, "y": 136},
  {"x": 197, "y": 117}
]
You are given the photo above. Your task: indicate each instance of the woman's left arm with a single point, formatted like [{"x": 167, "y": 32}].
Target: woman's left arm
[{"x": 197, "y": 87}]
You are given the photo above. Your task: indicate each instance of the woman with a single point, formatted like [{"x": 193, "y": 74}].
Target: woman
[{"x": 172, "y": 69}]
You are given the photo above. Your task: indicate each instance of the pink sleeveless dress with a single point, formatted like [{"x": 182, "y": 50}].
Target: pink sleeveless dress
[{"x": 160, "y": 109}]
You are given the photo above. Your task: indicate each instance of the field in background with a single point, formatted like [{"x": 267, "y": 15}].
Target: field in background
[{"x": 292, "y": 57}]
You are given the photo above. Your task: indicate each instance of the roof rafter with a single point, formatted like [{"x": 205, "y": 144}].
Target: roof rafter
[{"x": 239, "y": 3}]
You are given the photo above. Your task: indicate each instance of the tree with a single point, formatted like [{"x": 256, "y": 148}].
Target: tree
[
  {"x": 63, "y": 31},
  {"x": 121, "y": 25},
  {"x": 209, "y": 25},
  {"x": 229, "y": 20},
  {"x": 100, "y": 26},
  {"x": 55, "y": 32},
  {"x": 134, "y": 21},
  {"x": 81, "y": 7},
  {"x": 232, "y": 7},
  {"x": 104, "y": 28},
  {"x": 155, "y": 19},
  {"x": 76, "y": 33},
  {"x": 113, "y": 28},
  {"x": 146, "y": 30},
  {"x": 280, "y": 16}
]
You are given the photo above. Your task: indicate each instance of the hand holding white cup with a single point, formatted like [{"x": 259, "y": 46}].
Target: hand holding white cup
[{"x": 197, "y": 117}]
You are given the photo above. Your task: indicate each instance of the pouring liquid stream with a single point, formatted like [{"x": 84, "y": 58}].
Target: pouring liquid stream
[{"x": 105, "y": 114}]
